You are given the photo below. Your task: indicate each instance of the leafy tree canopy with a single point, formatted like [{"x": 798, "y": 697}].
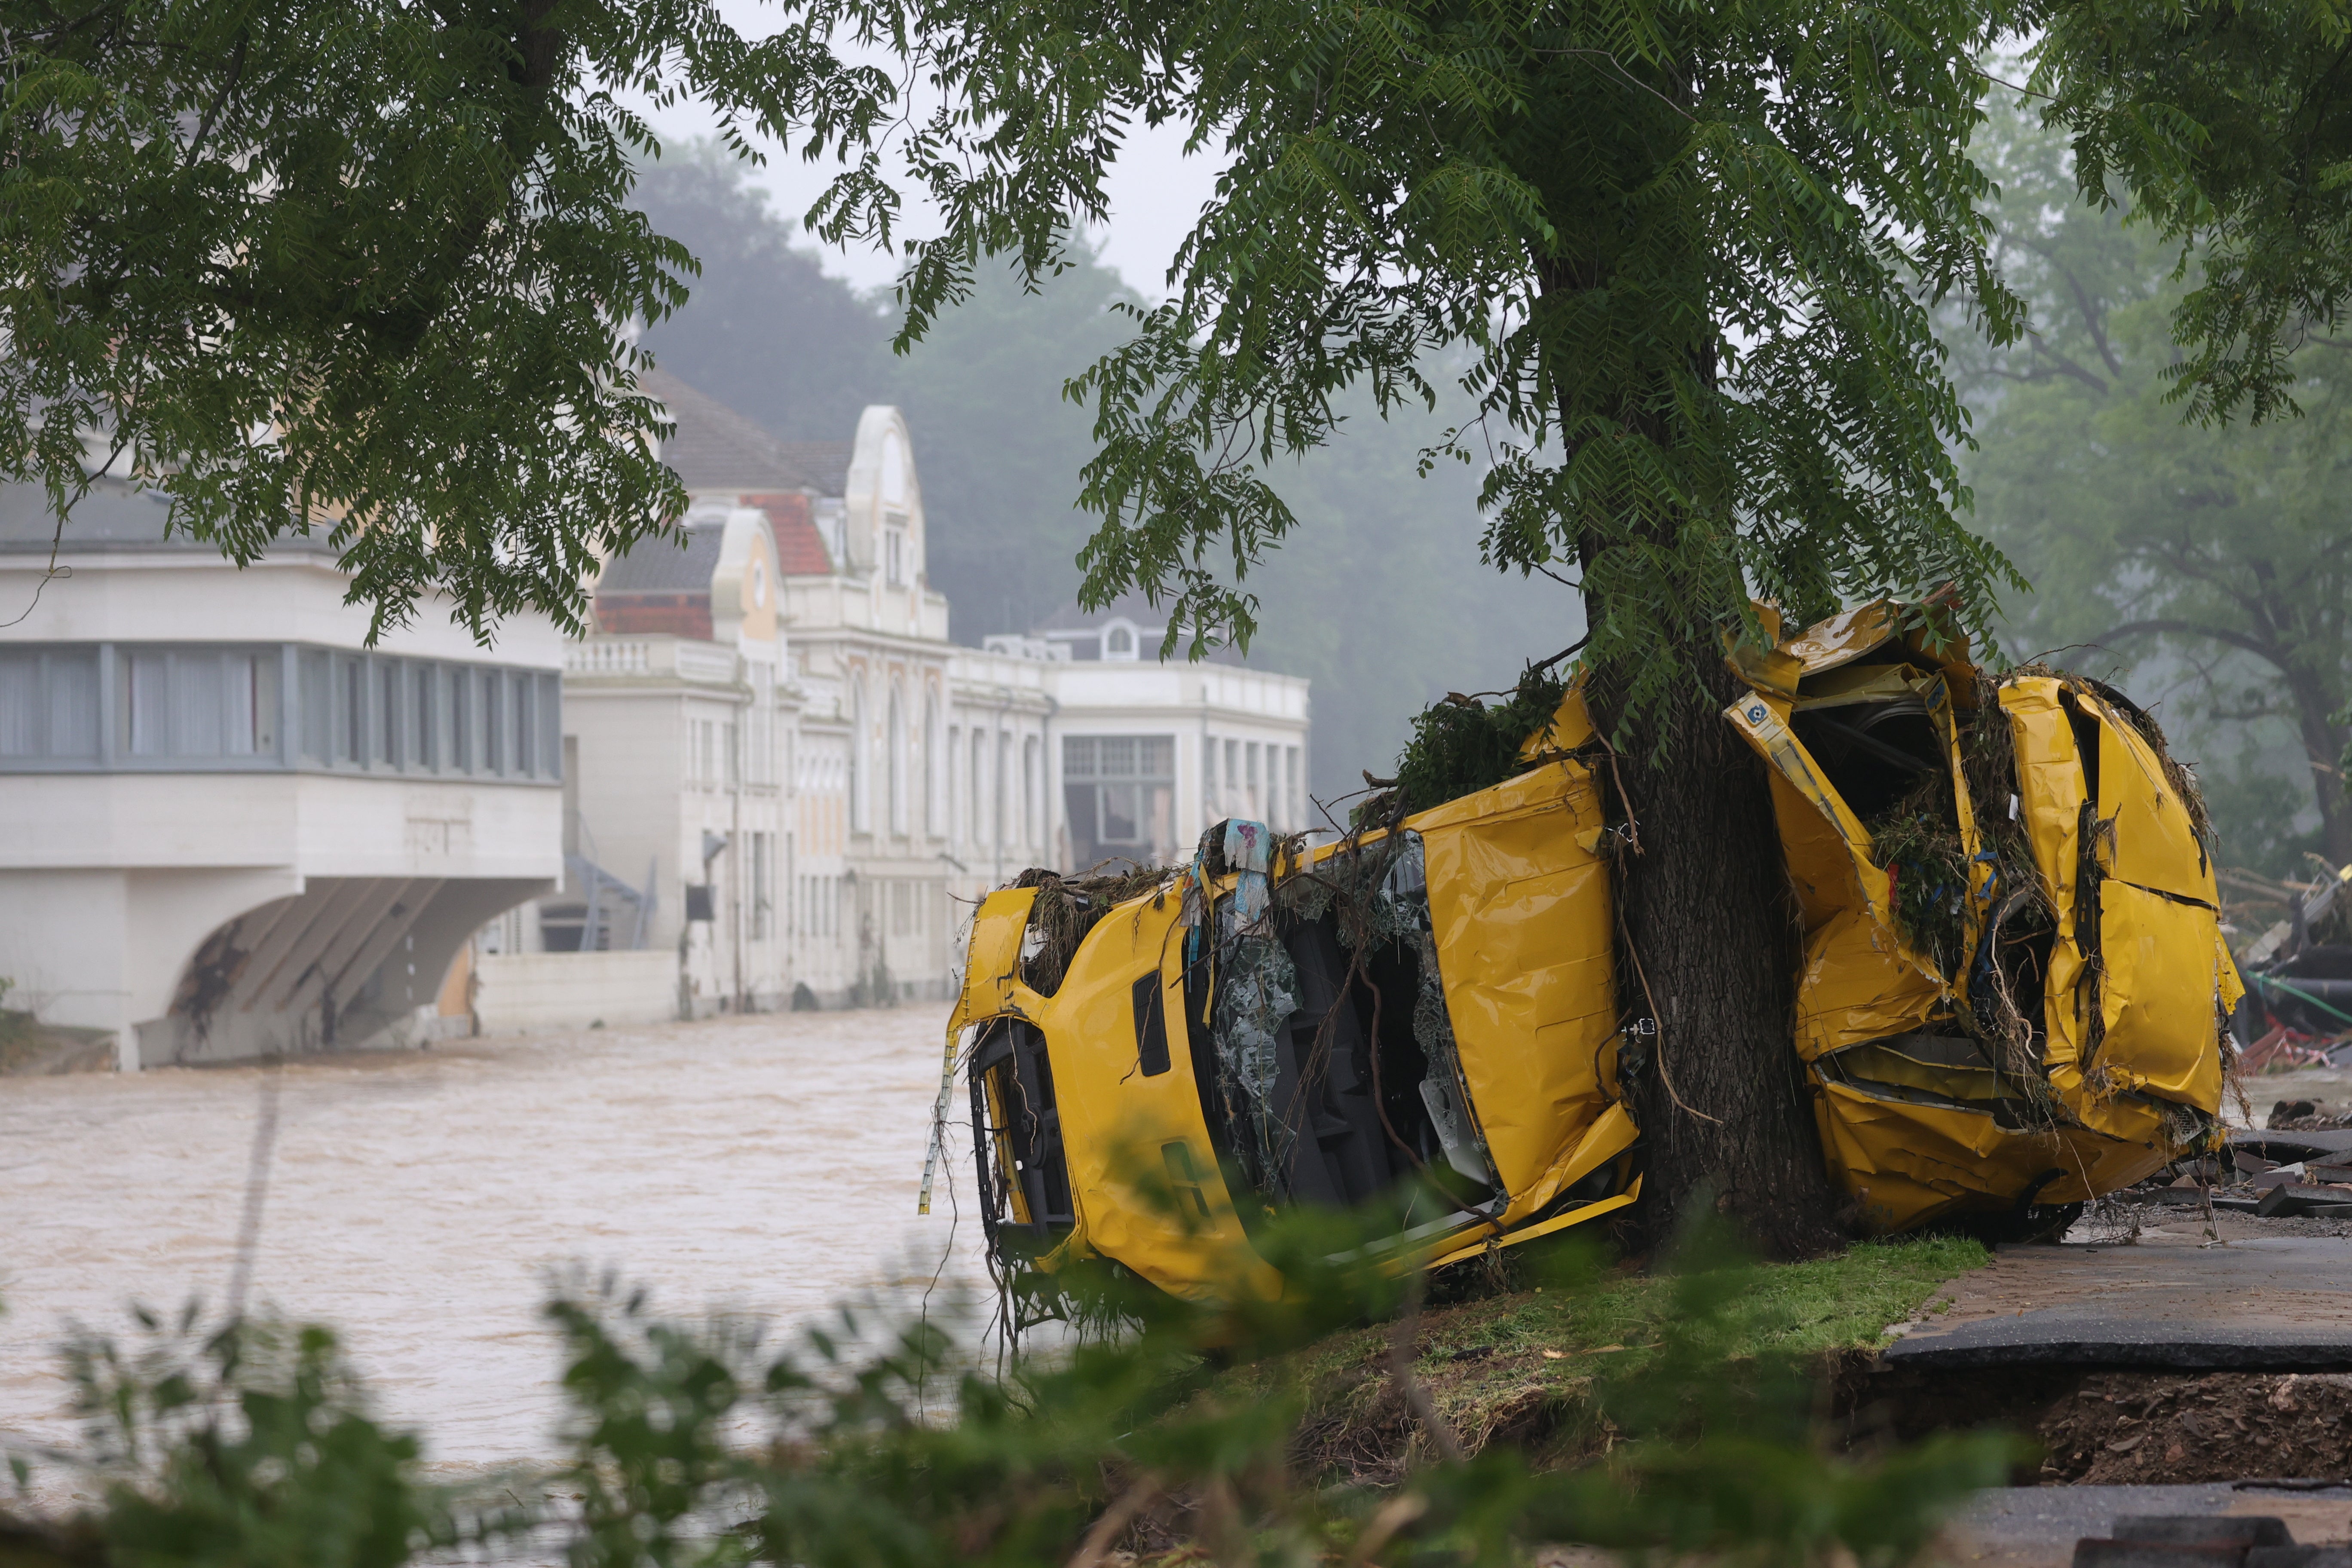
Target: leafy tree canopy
[
  {"x": 367, "y": 268},
  {"x": 2219, "y": 551},
  {"x": 1690, "y": 252},
  {"x": 2229, "y": 124}
]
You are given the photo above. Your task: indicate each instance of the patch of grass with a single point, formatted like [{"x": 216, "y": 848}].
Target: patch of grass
[{"x": 1535, "y": 1366}]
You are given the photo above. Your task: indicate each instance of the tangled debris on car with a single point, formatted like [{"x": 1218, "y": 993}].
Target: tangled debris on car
[{"x": 2012, "y": 995}]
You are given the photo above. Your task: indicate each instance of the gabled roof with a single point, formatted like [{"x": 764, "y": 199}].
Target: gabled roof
[
  {"x": 665, "y": 565},
  {"x": 827, "y": 462},
  {"x": 717, "y": 448}
]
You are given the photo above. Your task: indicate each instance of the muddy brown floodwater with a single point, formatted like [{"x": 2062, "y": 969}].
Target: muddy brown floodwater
[{"x": 418, "y": 1201}]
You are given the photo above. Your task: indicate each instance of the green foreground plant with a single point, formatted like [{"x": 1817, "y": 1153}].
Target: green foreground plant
[{"x": 874, "y": 1439}]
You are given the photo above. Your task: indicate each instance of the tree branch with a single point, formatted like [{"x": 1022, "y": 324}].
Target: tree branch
[{"x": 2164, "y": 628}]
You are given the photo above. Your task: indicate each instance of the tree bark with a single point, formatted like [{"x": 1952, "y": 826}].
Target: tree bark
[{"x": 1708, "y": 947}]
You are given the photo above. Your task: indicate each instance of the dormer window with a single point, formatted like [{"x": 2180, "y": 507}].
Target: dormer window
[
  {"x": 894, "y": 556},
  {"x": 1118, "y": 641}
]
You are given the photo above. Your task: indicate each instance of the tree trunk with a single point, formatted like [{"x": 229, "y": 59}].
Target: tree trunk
[
  {"x": 1709, "y": 925},
  {"x": 2324, "y": 742}
]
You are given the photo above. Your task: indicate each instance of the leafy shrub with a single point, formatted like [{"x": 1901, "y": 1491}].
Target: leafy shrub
[{"x": 887, "y": 1443}]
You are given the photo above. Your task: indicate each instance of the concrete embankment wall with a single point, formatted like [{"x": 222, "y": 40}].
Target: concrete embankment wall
[{"x": 571, "y": 990}]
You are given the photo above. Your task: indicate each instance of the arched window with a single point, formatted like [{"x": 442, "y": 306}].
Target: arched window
[
  {"x": 861, "y": 769},
  {"x": 894, "y": 740},
  {"x": 1118, "y": 643},
  {"x": 934, "y": 822}
]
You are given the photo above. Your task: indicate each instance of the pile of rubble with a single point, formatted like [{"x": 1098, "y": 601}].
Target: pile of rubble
[
  {"x": 2298, "y": 1009},
  {"x": 2299, "y": 1164}
]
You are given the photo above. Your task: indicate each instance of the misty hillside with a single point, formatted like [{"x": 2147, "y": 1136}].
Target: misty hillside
[{"x": 1380, "y": 598}]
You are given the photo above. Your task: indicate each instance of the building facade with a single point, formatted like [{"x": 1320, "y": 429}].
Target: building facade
[
  {"x": 229, "y": 827},
  {"x": 809, "y": 801}
]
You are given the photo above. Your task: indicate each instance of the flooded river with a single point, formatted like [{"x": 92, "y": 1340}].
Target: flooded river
[{"x": 417, "y": 1201}]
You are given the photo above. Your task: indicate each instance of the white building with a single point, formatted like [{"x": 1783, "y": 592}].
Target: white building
[
  {"x": 677, "y": 748},
  {"x": 227, "y": 827},
  {"x": 810, "y": 796},
  {"x": 1149, "y": 753}
]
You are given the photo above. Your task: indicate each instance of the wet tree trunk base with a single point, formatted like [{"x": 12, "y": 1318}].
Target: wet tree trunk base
[{"x": 1709, "y": 947}]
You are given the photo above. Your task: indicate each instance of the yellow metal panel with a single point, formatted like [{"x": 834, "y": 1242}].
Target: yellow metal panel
[
  {"x": 1605, "y": 1137},
  {"x": 2159, "y": 996},
  {"x": 1569, "y": 727},
  {"x": 1858, "y": 683},
  {"x": 993, "y": 959},
  {"x": 1860, "y": 980},
  {"x": 2153, "y": 844},
  {"x": 1117, "y": 1123},
  {"x": 1905, "y": 1162},
  {"x": 1592, "y": 1211},
  {"x": 2051, "y": 790},
  {"x": 1843, "y": 637},
  {"x": 1523, "y": 912}
]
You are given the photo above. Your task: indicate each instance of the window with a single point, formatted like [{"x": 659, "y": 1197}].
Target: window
[
  {"x": 996, "y": 791},
  {"x": 978, "y": 749},
  {"x": 353, "y": 725},
  {"x": 495, "y": 739},
  {"x": 48, "y": 704},
  {"x": 424, "y": 747},
  {"x": 1030, "y": 832},
  {"x": 208, "y": 707},
  {"x": 551, "y": 724},
  {"x": 760, "y": 882},
  {"x": 1118, "y": 795},
  {"x": 198, "y": 713},
  {"x": 146, "y": 713},
  {"x": 465, "y": 751},
  {"x": 524, "y": 758},
  {"x": 1118, "y": 643},
  {"x": 317, "y": 677},
  {"x": 934, "y": 823},
  {"x": 388, "y": 715},
  {"x": 894, "y": 556},
  {"x": 253, "y": 706},
  {"x": 895, "y": 749},
  {"x": 861, "y": 770}
]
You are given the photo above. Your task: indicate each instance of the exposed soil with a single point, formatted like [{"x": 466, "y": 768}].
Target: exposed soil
[
  {"x": 2134, "y": 1428},
  {"x": 2128, "y": 1429},
  {"x": 2140, "y": 1428}
]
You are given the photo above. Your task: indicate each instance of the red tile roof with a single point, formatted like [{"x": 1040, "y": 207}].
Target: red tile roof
[{"x": 800, "y": 548}]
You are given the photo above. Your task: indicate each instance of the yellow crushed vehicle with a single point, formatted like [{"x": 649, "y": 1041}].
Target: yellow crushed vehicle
[
  {"x": 2014, "y": 992},
  {"x": 2015, "y": 989}
]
